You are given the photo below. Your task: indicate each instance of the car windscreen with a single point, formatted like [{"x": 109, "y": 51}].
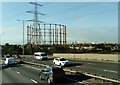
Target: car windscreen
[
  {"x": 44, "y": 54},
  {"x": 62, "y": 59},
  {"x": 36, "y": 54}
]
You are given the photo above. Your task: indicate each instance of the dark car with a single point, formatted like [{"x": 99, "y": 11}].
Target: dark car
[{"x": 52, "y": 74}]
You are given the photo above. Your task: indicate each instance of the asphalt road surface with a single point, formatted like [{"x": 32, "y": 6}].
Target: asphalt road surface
[
  {"x": 22, "y": 74},
  {"x": 107, "y": 69}
]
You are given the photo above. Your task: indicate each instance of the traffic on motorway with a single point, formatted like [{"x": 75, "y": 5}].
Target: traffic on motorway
[
  {"x": 54, "y": 72},
  {"x": 50, "y": 74}
]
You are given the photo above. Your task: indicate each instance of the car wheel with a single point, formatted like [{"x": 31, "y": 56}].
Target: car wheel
[
  {"x": 49, "y": 81},
  {"x": 60, "y": 64},
  {"x": 40, "y": 77}
]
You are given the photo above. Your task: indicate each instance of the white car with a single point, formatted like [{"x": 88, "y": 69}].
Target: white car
[
  {"x": 40, "y": 55},
  {"x": 60, "y": 61}
]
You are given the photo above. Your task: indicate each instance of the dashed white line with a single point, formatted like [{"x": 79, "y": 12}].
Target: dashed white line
[
  {"x": 91, "y": 63},
  {"x": 18, "y": 72},
  {"x": 9, "y": 68},
  {"x": 32, "y": 67},
  {"x": 34, "y": 81}
]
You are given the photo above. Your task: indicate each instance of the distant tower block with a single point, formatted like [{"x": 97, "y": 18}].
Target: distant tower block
[{"x": 46, "y": 34}]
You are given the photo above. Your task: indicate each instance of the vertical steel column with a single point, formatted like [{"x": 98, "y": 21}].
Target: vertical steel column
[
  {"x": 55, "y": 34},
  {"x": 33, "y": 35},
  {"x": 38, "y": 34},
  {"x": 65, "y": 35},
  {"x": 44, "y": 35},
  {"x": 28, "y": 34},
  {"x": 60, "y": 34},
  {"x": 50, "y": 34}
]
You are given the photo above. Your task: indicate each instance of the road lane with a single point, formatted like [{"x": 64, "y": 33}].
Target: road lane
[
  {"x": 28, "y": 74},
  {"x": 11, "y": 76},
  {"x": 99, "y": 68}
]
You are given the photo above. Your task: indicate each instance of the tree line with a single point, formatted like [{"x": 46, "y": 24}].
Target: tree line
[{"x": 29, "y": 49}]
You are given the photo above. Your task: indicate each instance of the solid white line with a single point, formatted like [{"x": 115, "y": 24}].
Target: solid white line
[
  {"x": 77, "y": 66},
  {"x": 75, "y": 80},
  {"x": 110, "y": 71},
  {"x": 34, "y": 81},
  {"x": 18, "y": 72}
]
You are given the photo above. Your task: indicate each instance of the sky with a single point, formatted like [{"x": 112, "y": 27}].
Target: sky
[{"x": 88, "y": 21}]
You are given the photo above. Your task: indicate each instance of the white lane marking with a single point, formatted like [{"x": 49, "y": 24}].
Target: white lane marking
[
  {"x": 80, "y": 82},
  {"x": 18, "y": 72},
  {"x": 34, "y": 81},
  {"x": 83, "y": 82},
  {"x": 110, "y": 71},
  {"x": 75, "y": 80},
  {"x": 9, "y": 68},
  {"x": 32, "y": 67},
  {"x": 91, "y": 63},
  {"x": 77, "y": 66}
]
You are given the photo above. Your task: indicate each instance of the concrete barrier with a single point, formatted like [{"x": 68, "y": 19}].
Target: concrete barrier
[
  {"x": 95, "y": 57},
  {"x": 99, "y": 57}
]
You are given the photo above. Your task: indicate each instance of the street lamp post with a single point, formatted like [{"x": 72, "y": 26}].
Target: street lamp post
[
  {"x": 23, "y": 40},
  {"x": 23, "y": 32},
  {"x": 23, "y": 36}
]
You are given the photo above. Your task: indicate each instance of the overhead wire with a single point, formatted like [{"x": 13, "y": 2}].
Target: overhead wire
[
  {"x": 85, "y": 15},
  {"x": 71, "y": 9}
]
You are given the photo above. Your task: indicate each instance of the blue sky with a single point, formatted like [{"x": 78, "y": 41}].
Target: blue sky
[{"x": 86, "y": 21}]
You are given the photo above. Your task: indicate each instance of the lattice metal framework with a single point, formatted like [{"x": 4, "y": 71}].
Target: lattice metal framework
[{"x": 46, "y": 34}]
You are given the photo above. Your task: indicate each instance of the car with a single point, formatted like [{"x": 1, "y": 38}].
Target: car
[
  {"x": 40, "y": 55},
  {"x": 60, "y": 61},
  {"x": 52, "y": 74},
  {"x": 16, "y": 56},
  {"x": 9, "y": 60}
]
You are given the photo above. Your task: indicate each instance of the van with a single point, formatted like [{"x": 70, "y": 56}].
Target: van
[{"x": 40, "y": 55}]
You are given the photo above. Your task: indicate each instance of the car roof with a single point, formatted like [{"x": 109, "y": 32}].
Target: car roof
[
  {"x": 39, "y": 52},
  {"x": 60, "y": 58},
  {"x": 53, "y": 67}
]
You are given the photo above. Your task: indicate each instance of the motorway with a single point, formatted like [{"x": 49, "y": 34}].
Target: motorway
[
  {"x": 27, "y": 74},
  {"x": 107, "y": 69}
]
